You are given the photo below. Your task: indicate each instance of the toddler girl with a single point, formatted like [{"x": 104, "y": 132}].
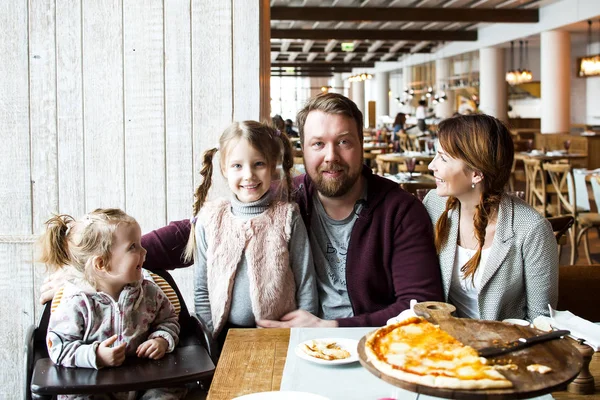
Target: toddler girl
[{"x": 109, "y": 310}]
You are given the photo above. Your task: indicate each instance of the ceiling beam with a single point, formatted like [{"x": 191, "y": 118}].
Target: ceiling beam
[
  {"x": 305, "y": 67},
  {"x": 286, "y": 64},
  {"x": 305, "y": 74},
  {"x": 439, "y": 14},
  {"x": 372, "y": 34}
]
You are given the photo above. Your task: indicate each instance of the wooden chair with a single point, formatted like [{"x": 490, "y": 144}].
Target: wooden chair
[
  {"x": 520, "y": 145},
  {"x": 560, "y": 226},
  {"x": 536, "y": 186},
  {"x": 405, "y": 142},
  {"x": 192, "y": 361},
  {"x": 561, "y": 176}
]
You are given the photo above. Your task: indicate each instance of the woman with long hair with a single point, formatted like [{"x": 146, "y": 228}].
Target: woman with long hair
[{"x": 498, "y": 256}]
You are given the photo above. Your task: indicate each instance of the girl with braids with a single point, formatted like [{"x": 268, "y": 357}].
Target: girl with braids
[
  {"x": 108, "y": 310},
  {"x": 251, "y": 252},
  {"x": 498, "y": 256}
]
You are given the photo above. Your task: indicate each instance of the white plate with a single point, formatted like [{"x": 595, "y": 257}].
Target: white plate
[
  {"x": 285, "y": 395},
  {"x": 347, "y": 344}
]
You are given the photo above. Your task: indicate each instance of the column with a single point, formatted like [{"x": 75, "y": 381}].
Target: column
[
  {"x": 445, "y": 108},
  {"x": 382, "y": 98},
  {"x": 555, "y": 53},
  {"x": 337, "y": 83},
  {"x": 493, "y": 95},
  {"x": 407, "y": 78},
  {"x": 358, "y": 95}
]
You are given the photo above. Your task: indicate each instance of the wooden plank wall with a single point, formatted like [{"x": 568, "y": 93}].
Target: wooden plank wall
[{"x": 111, "y": 103}]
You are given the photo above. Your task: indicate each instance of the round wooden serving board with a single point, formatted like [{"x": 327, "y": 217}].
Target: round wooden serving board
[{"x": 560, "y": 355}]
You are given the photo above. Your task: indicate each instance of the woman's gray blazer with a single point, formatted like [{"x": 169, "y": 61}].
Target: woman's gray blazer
[{"x": 521, "y": 275}]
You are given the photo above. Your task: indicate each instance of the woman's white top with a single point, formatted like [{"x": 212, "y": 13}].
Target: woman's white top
[
  {"x": 420, "y": 112},
  {"x": 464, "y": 293}
]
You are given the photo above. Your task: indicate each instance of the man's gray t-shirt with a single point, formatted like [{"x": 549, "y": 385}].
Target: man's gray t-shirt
[{"x": 329, "y": 240}]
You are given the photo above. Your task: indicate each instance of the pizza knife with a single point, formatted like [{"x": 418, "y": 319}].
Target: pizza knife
[{"x": 521, "y": 343}]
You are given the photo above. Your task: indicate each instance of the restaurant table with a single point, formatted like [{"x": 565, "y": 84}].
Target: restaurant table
[
  {"x": 253, "y": 360},
  {"x": 550, "y": 156}
]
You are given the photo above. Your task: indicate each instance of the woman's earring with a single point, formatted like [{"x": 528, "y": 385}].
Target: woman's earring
[{"x": 472, "y": 185}]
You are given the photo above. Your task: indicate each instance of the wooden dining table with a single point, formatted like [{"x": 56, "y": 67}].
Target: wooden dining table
[
  {"x": 550, "y": 157},
  {"x": 252, "y": 361}
]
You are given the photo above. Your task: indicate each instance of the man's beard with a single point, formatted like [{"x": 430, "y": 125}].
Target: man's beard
[{"x": 335, "y": 187}]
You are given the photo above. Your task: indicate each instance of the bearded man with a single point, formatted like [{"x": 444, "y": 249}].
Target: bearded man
[{"x": 372, "y": 242}]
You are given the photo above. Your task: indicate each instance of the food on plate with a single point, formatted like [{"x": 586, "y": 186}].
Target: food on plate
[
  {"x": 325, "y": 350},
  {"x": 417, "y": 351},
  {"x": 539, "y": 368}
]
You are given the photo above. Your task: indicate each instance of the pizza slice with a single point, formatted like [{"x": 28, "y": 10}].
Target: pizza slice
[{"x": 417, "y": 351}]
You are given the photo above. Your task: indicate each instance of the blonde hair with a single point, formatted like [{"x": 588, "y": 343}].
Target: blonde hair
[
  {"x": 67, "y": 241},
  {"x": 484, "y": 144},
  {"x": 274, "y": 146}
]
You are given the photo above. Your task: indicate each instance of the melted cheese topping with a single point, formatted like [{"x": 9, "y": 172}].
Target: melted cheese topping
[{"x": 419, "y": 347}]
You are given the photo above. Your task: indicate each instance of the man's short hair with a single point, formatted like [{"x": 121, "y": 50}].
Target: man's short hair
[{"x": 330, "y": 103}]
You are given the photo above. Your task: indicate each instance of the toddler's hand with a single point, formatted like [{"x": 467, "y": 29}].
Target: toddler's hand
[
  {"x": 153, "y": 348},
  {"x": 111, "y": 356}
]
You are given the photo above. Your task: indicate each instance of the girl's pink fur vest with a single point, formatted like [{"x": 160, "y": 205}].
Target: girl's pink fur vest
[{"x": 264, "y": 241}]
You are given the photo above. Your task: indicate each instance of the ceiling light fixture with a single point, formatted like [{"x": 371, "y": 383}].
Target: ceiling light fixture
[
  {"x": 589, "y": 65},
  {"x": 360, "y": 77}
]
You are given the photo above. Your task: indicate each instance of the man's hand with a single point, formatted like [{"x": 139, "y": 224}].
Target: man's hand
[
  {"x": 51, "y": 284},
  {"x": 296, "y": 319},
  {"x": 111, "y": 356},
  {"x": 153, "y": 348}
]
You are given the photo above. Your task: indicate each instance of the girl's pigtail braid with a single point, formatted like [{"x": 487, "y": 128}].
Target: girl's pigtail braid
[
  {"x": 441, "y": 227},
  {"x": 199, "y": 198},
  {"x": 54, "y": 244}
]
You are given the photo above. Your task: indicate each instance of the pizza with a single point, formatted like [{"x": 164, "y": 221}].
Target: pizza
[
  {"x": 325, "y": 350},
  {"x": 417, "y": 351}
]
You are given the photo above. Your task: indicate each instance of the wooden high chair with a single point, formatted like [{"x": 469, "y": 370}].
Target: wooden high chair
[{"x": 192, "y": 361}]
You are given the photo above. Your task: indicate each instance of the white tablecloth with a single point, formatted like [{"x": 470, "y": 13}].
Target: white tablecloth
[{"x": 341, "y": 382}]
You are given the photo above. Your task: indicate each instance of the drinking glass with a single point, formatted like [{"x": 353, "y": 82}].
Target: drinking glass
[
  {"x": 410, "y": 163},
  {"x": 567, "y": 144},
  {"x": 430, "y": 145}
]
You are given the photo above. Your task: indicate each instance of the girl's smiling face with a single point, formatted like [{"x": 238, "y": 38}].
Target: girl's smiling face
[{"x": 247, "y": 172}]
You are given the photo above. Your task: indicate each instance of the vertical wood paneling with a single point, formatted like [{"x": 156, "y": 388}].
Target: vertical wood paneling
[
  {"x": 15, "y": 186},
  {"x": 16, "y": 305},
  {"x": 178, "y": 110},
  {"x": 178, "y": 125},
  {"x": 42, "y": 105},
  {"x": 246, "y": 60},
  {"x": 144, "y": 112},
  {"x": 69, "y": 106},
  {"x": 212, "y": 80},
  {"x": 251, "y": 68},
  {"x": 16, "y": 309},
  {"x": 103, "y": 104}
]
